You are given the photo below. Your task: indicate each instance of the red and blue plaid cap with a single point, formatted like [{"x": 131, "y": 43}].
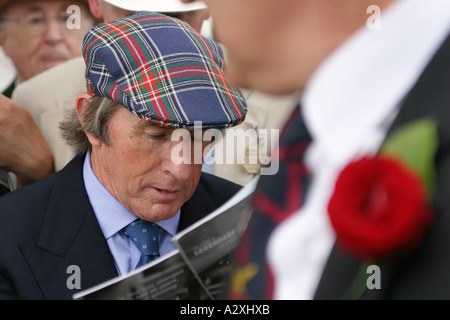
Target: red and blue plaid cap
[{"x": 163, "y": 71}]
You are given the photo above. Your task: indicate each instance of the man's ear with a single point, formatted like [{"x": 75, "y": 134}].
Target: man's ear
[
  {"x": 96, "y": 9},
  {"x": 83, "y": 101},
  {"x": 206, "y": 14}
]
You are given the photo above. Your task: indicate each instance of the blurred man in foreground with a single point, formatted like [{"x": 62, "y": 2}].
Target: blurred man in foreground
[{"x": 364, "y": 161}]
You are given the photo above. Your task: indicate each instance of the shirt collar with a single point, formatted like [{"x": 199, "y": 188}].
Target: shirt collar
[
  {"x": 377, "y": 78},
  {"x": 111, "y": 214}
]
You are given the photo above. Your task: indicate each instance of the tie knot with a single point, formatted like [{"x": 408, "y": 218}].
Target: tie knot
[{"x": 144, "y": 235}]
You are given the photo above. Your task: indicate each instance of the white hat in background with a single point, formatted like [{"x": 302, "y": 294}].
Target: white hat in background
[{"x": 157, "y": 5}]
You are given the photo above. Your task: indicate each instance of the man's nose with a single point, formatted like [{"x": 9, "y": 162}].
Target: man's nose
[
  {"x": 53, "y": 32},
  {"x": 182, "y": 158},
  {"x": 172, "y": 165}
]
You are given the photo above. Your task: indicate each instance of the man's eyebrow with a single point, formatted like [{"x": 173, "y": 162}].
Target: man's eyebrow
[
  {"x": 65, "y": 5},
  {"x": 149, "y": 124},
  {"x": 35, "y": 9}
]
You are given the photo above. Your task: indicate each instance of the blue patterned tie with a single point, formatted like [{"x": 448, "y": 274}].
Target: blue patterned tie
[{"x": 144, "y": 235}]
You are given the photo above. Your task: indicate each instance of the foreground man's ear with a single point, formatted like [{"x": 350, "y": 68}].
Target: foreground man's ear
[{"x": 83, "y": 101}]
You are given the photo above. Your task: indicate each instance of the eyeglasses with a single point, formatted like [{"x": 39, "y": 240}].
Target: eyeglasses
[{"x": 36, "y": 24}]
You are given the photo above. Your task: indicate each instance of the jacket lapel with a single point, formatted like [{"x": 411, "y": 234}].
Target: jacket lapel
[
  {"x": 70, "y": 236},
  {"x": 430, "y": 97}
]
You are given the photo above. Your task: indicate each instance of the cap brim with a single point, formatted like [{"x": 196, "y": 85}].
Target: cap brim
[{"x": 157, "y": 5}]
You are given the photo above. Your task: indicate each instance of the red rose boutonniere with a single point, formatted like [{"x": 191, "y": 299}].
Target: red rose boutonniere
[{"x": 381, "y": 205}]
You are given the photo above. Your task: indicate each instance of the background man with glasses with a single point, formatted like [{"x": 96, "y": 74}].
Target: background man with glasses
[{"x": 36, "y": 36}]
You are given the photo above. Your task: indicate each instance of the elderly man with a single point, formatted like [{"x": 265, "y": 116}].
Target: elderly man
[
  {"x": 36, "y": 35},
  {"x": 140, "y": 89},
  {"x": 364, "y": 163}
]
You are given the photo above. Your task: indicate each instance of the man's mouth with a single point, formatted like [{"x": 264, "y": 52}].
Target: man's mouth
[
  {"x": 52, "y": 61},
  {"x": 165, "y": 194}
]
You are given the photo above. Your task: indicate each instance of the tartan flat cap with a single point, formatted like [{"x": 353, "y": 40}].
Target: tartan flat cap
[{"x": 163, "y": 71}]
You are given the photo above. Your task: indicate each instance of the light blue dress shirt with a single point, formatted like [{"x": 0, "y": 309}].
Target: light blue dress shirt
[{"x": 113, "y": 217}]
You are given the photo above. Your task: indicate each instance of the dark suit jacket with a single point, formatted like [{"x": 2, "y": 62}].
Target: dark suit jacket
[
  {"x": 424, "y": 273},
  {"x": 50, "y": 225}
]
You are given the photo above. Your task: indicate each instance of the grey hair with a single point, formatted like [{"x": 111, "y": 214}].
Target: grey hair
[{"x": 95, "y": 120}]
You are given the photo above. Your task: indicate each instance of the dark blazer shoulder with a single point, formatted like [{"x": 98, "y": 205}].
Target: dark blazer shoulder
[
  {"x": 35, "y": 196},
  {"x": 45, "y": 228},
  {"x": 218, "y": 188}
]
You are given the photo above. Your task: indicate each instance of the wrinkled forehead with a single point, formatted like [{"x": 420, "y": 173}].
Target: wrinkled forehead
[{"x": 43, "y": 6}]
